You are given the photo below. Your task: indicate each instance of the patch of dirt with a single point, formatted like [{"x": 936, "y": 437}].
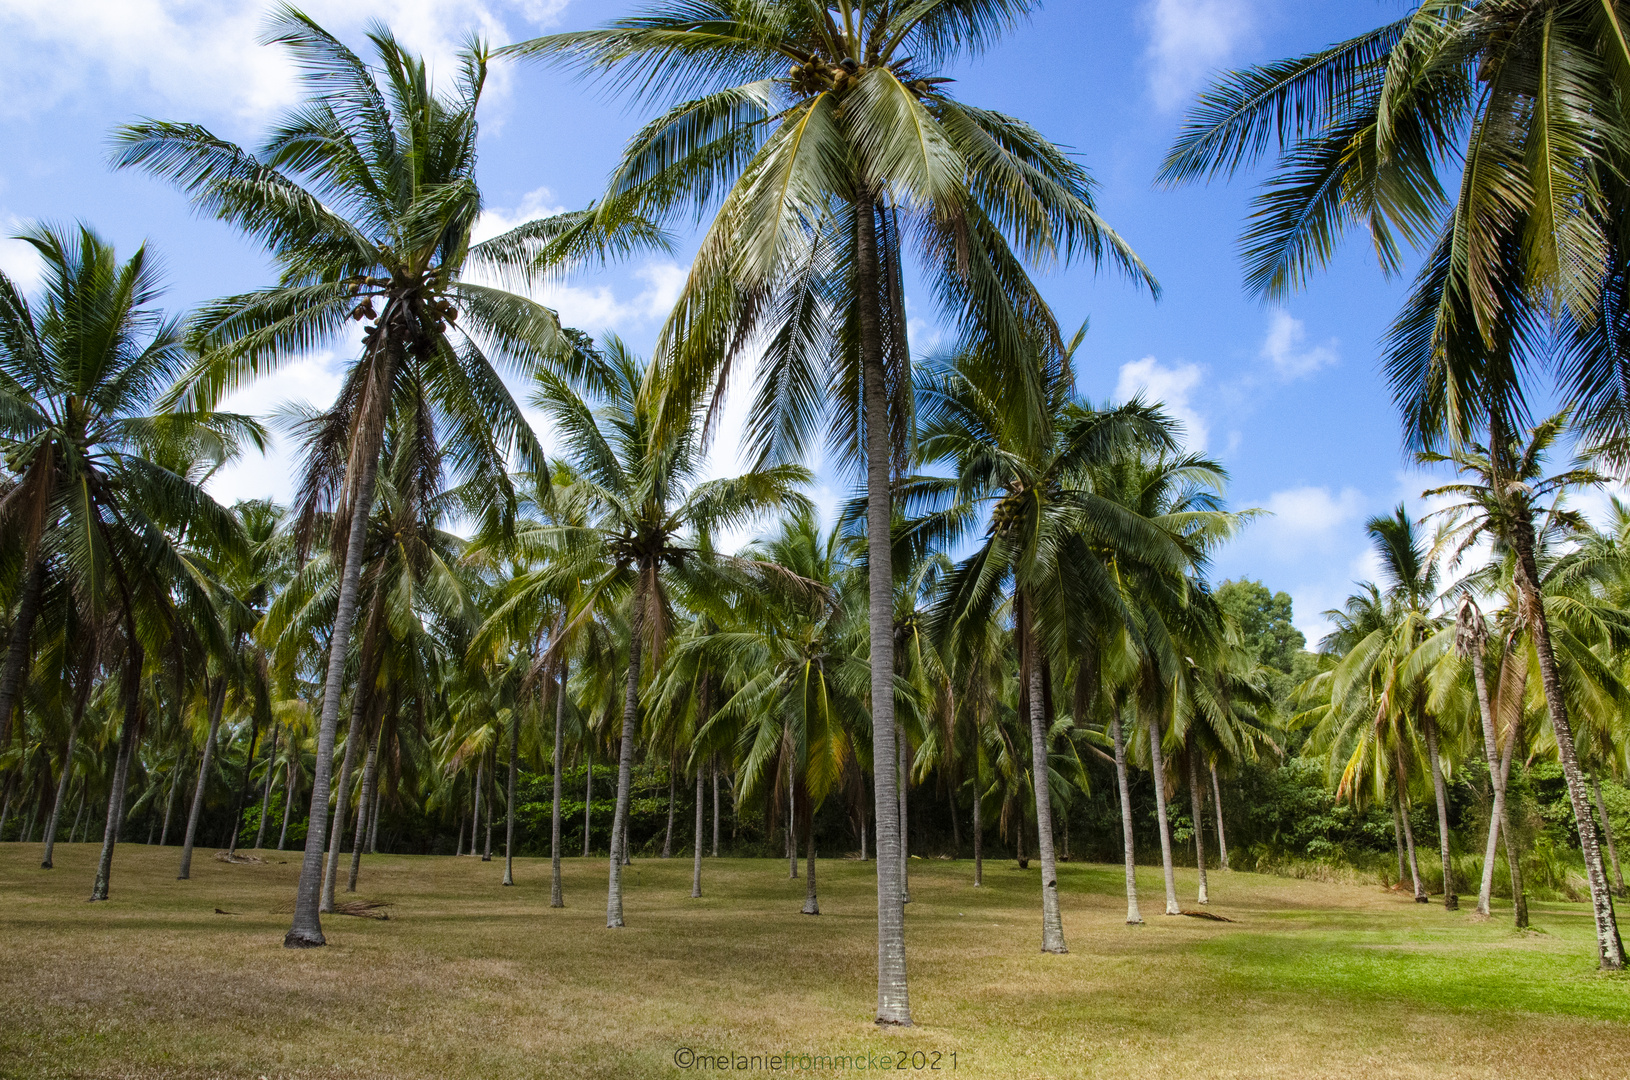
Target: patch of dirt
[{"x": 229, "y": 857}]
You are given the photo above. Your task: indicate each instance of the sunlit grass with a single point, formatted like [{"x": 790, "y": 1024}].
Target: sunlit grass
[{"x": 468, "y": 979}]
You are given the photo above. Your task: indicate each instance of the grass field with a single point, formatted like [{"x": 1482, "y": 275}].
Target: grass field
[{"x": 468, "y": 979}]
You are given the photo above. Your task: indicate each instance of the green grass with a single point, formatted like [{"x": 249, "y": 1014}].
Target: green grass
[{"x": 468, "y": 979}]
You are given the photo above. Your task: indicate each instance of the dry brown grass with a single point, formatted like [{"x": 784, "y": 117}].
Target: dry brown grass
[{"x": 468, "y": 979}]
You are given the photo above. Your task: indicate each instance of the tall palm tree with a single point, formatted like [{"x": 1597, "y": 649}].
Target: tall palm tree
[
  {"x": 643, "y": 480},
  {"x": 366, "y": 198},
  {"x": 827, "y": 136},
  {"x": 1504, "y": 488}
]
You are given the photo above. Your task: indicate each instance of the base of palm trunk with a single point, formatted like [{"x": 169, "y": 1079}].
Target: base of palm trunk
[
  {"x": 302, "y": 939},
  {"x": 1423, "y": 899},
  {"x": 1451, "y": 902},
  {"x": 46, "y": 865},
  {"x": 557, "y": 903},
  {"x": 811, "y": 908},
  {"x": 1135, "y": 922},
  {"x": 883, "y": 1021}
]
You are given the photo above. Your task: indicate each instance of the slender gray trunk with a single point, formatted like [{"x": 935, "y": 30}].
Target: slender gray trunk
[
  {"x": 792, "y": 831},
  {"x": 625, "y": 756},
  {"x": 978, "y": 831},
  {"x": 1609, "y": 947},
  {"x": 1421, "y": 895},
  {"x": 1222, "y": 837},
  {"x": 1519, "y": 900},
  {"x": 486, "y": 807},
  {"x": 121, "y": 771},
  {"x": 79, "y": 814},
  {"x": 1197, "y": 808},
  {"x": 475, "y": 803},
  {"x": 365, "y": 800},
  {"x": 893, "y": 1000},
  {"x": 1052, "y": 922},
  {"x": 1451, "y": 901},
  {"x": 306, "y": 929},
  {"x": 509, "y": 796},
  {"x": 715, "y": 771},
  {"x": 342, "y": 797},
  {"x": 62, "y": 790},
  {"x": 1470, "y": 639},
  {"x": 673, "y": 788},
  {"x": 1398, "y": 838},
  {"x": 288, "y": 802},
  {"x": 266, "y": 792},
  {"x": 556, "y": 897},
  {"x": 812, "y": 904},
  {"x": 1607, "y": 834},
  {"x": 243, "y": 791},
  {"x": 903, "y": 749},
  {"x": 373, "y": 817},
  {"x": 696, "y": 859},
  {"x": 1133, "y": 916},
  {"x": 1158, "y": 763},
  {"x": 588, "y": 799},
  {"x": 956, "y": 827},
  {"x": 217, "y": 702}
]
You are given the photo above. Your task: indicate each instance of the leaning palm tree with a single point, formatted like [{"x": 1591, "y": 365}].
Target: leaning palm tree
[
  {"x": 827, "y": 136},
  {"x": 643, "y": 480},
  {"x": 366, "y": 199}
]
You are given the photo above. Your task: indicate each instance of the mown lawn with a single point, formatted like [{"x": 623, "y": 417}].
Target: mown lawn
[{"x": 468, "y": 979}]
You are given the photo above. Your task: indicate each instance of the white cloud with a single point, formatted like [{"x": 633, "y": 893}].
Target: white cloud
[
  {"x": 204, "y": 56},
  {"x": 19, "y": 260},
  {"x": 1169, "y": 386},
  {"x": 1287, "y": 350},
  {"x": 1310, "y": 520},
  {"x": 537, "y": 203},
  {"x": 1187, "y": 40},
  {"x": 313, "y": 379}
]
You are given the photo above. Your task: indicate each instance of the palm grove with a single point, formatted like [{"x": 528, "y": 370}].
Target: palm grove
[{"x": 1009, "y": 631}]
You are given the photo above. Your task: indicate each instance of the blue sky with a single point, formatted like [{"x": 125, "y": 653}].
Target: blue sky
[{"x": 1289, "y": 398}]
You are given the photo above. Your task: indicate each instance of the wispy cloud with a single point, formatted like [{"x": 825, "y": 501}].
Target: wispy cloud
[
  {"x": 1172, "y": 387},
  {"x": 203, "y": 57},
  {"x": 1286, "y": 348},
  {"x": 1187, "y": 40}
]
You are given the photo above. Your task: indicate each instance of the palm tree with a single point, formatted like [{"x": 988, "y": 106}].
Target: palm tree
[
  {"x": 828, "y": 135},
  {"x": 642, "y": 479},
  {"x": 366, "y": 198},
  {"x": 1504, "y": 488}
]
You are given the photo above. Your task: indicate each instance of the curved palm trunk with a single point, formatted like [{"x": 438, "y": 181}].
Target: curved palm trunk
[
  {"x": 625, "y": 757},
  {"x": 475, "y": 803},
  {"x": 84, "y": 792},
  {"x": 1421, "y": 895},
  {"x": 1607, "y": 834},
  {"x": 1513, "y": 857},
  {"x": 243, "y": 791},
  {"x": 556, "y": 897},
  {"x": 1451, "y": 901},
  {"x": 1491, "y": 754},
  {"x": 1052, "y": 922},
  {"x": 1158, "y": 763},
  {"x": 121, "y": 772},
  {"x": 169, "y": 801},
  {"x": 792, "y": 825},
  {"x": 1398, "y": 839},
  {"x": 365, "y": 802},
  {"x": 373, "y": 817},
  {"x": 1133, "y": 916},
  {"x": 1197, "y": 807},
  {"x": 812, "y": 905},
  {"x": 306, "y": 929},
  {"x": 696, "y": 859},
  {"x": 588, "y": 799},
  {"x": 978, "y": 834},
  {"x": 288, "y": 801},
  {"x": 486, "y": 807},
  {"x": 217, "y": 702},
  {"x": 1222, "y": 837},
  {"x": 342, "y": 799},
  {"x": 22, "y": 629},
  {"x": 715, "y": 770},
  {"x": 61, "y": 795},
  {"x": 673, "y": 790},
  {"x": 266, "y": 792},
  {"x": 1609, "y": 947},
  {"x": 893, "y": 1000},
  {"x": 509, "y": 797}
]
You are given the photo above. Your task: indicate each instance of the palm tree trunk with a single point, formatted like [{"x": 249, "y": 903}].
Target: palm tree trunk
[
  {"x": 365, "y": 802},
  {"x": 812, "y": 905},
  {"x": 486, "y": 806},
  {"x": 373, "y": 817},
  {"x": 1491, "y": 754},
  {"x": 11, "y": 676},
  {"x": 1052, "y": 922},
  {"x": 556, "y": 897},
  {"x": 1607, "y": 834},
  {"x": 1609, "y": 947},
  {"x": 243, "y": 790},
  {"x": 625, "y": 756},
  {"x": 696, "y": 859},
  {"x": 475, "y": 803},
  {"x": 1451, "y": 901},
  {"x": 715, "y": 771},
  {"x": 342, "y": 796},
  {"x": 893, "y": 999},
  {"x": 1513, "y": 857},
  {"x": 1222, "y": 837},
  {"x": 792, "y": 830},
  {"x": 956, "y": 826},
  {"x": 84, "y": 791},
  {"x": 673, "y": 788},
  {"x": 902, "y": 747},
  {"x": 1398, "y": 838},
  {"x": 169, "y": 801},
  {"x": 306, "y": 929},
  {"x": 266, "y": 792},
  {"x": 1421, "y": 895},
  {"x": 978, "y": 832},
  {"x": 509, "y": 797},
  {"x": 121, "y": 771},
  {"x": 217, "y": 702},
  {"x": 61, "y": 796},
  {"x": 1133, "y": 916},
  {"x": 288, "y": 801},
  {"x": 588, "y": 798},
  {"x": 1158, "y": 764},
  {"x": 1197, "y": 808}
]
